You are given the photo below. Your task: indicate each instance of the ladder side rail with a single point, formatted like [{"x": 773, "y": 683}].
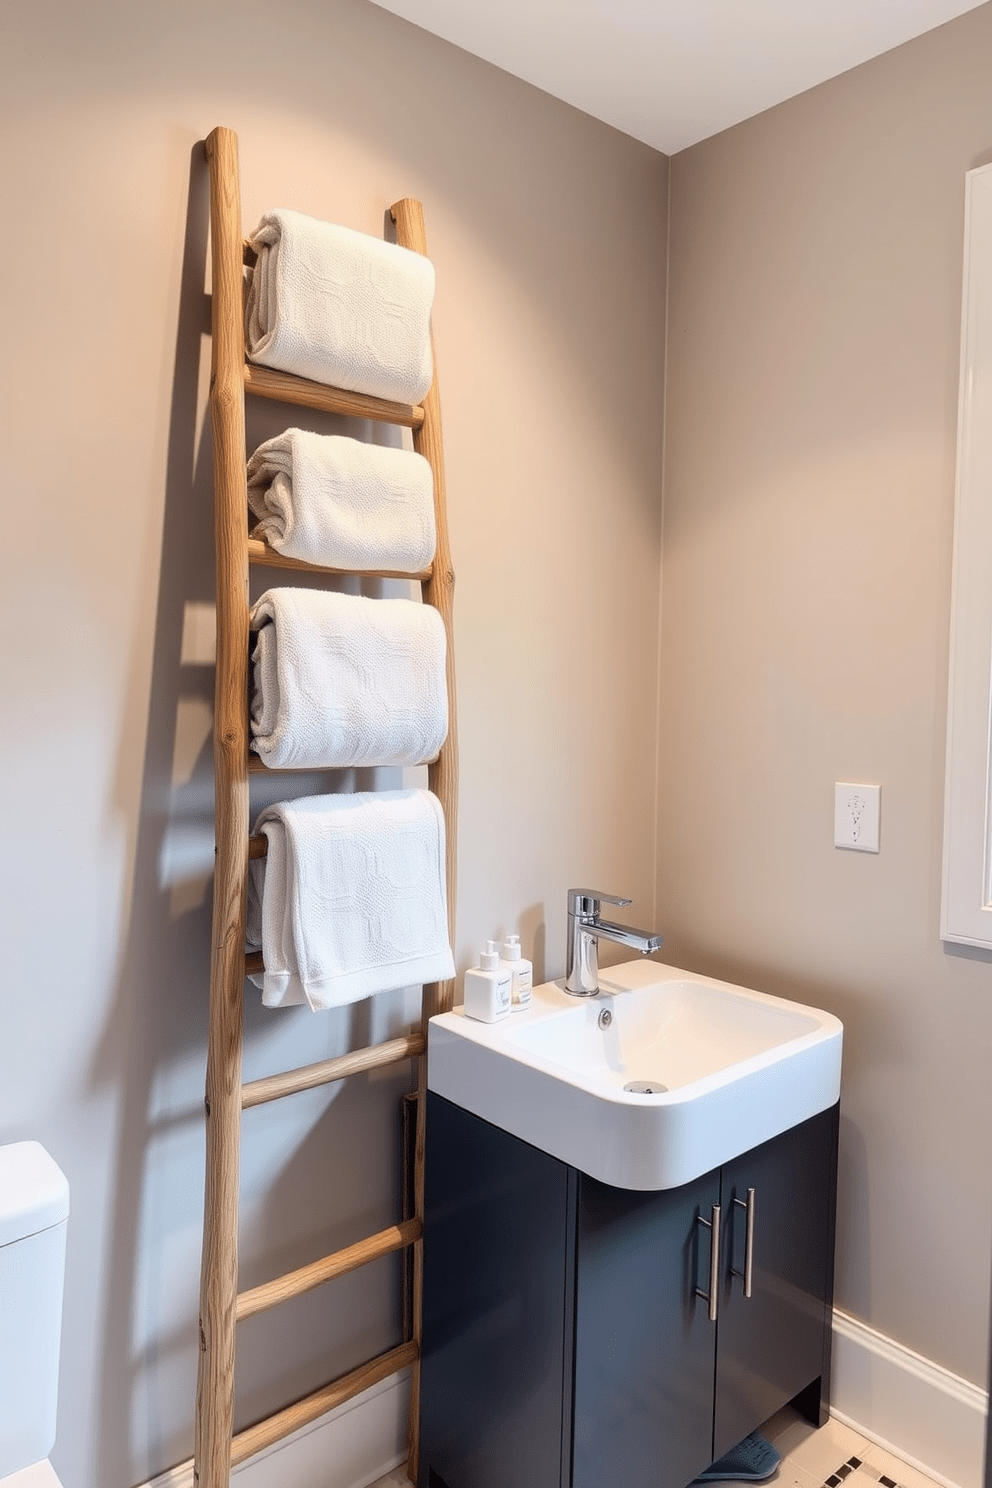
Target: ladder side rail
[
  {"x": 438, "y": 997},
  {"x": 218, "y": 1277}
]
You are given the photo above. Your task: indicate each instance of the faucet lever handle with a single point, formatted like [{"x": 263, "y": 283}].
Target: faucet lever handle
[{"x": 587, "y": 901}]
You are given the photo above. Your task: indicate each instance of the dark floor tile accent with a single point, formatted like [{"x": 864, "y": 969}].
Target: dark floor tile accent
[{"x": 852, "y": 1465}]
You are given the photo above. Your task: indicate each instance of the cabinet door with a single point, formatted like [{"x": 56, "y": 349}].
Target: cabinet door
[
  {"x": 644, "y": 1344},
  {"x": 771, "y": 1345},
  {"x": 496, "y": 1274}
]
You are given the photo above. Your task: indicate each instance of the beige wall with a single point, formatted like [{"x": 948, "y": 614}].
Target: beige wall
[
  {"x": 548, "y": 231},
  {"x": 815, "y": 292},
  {"x": 815, "y": 281}
]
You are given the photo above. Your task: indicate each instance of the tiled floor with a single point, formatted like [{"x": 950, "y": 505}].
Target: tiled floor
[{"x": 833, "y": 1456}]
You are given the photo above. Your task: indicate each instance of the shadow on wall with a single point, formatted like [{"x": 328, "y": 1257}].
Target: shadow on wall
[
  {"x": 160, "y": 1008},
  {"x": 307, "y": 1186}
]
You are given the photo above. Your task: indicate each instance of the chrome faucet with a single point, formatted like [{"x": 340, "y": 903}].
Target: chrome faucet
[{"x": 585, "y": 928}]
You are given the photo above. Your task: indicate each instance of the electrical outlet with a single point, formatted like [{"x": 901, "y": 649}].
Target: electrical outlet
[{"x": 856, "y": 816}]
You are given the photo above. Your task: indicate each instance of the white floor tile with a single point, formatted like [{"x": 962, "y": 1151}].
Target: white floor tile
[
  {"x": 791, "y": 1476},
  {"x": 818, "y": 1453},
  {"x": 900, "y": 1472}
]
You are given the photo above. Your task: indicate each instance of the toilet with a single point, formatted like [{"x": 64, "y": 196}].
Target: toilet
[{"x": 34, "y": 1211}]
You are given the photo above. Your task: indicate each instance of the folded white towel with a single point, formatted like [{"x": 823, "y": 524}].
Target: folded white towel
[
  {"x": 340, "y": 680},
  {"x": 340, "y": 307},
  {"x": 342, "y": 503},
  {"x": 351, "y": 897}
]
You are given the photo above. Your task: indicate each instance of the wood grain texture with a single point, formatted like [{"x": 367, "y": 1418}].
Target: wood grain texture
[
  {"x": 311, "y": 1407},
  {"x": 219, "y": 1266},
  {"x": 338, "y": 1263},
  {"x": 376, "y": 1056},
  {"x": 260, "y": 552},
  {"x": 439, "y": 591},
  {"x": 283, "y": 387}
]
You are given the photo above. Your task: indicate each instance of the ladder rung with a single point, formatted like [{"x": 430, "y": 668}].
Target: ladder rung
[
  {"x": 260, "y": 552},
  {"x": 283, "y": 387},
  {"x": 257, "y": 766},
  {"x": 254, "y": 963},
  {"x": 312, "y": 1407},
  {"x": 376, "y": 1056},
  {"x": 339, "y": 1263},
  {"x": 258, "y": 847}
]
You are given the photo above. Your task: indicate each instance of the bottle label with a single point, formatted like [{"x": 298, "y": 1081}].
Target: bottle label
[{"x": 523, "y": 982}]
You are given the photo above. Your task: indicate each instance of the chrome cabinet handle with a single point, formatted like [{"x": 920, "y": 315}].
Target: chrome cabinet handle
[
  {"x": 748, "y": 1272},
  {"x": 713, "y": 1295}
]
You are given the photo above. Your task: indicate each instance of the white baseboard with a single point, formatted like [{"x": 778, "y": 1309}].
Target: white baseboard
[
  {"x": 350, "y": 1447},
  {"x": 915, "y": 1409},
  {"x": 919, "y": 1411}
]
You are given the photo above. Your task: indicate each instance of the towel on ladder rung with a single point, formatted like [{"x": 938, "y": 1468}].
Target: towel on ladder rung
[
  {"x": 351, "y": 898},
  {"x": 342, "y": 681},
  {"x": 342, "y": 503},
  {"x": 340, "y": 307}
]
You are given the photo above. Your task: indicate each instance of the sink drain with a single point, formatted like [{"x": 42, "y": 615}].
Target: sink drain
[{"x": 646, "y": 1087}]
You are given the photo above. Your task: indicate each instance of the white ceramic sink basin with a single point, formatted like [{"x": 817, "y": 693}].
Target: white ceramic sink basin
[{"x": 738, "y": 1067}]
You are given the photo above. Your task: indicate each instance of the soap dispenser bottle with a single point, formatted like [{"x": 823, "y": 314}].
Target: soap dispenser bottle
[
  {"x": 522, "y": 971},
  {"x": 488, "y": 987}
]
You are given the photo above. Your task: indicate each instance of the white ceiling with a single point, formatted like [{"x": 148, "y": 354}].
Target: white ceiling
[{"x": 671, "y": 72}]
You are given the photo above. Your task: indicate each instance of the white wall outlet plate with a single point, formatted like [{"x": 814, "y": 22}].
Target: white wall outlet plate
[{"x": 856, "y": 816}]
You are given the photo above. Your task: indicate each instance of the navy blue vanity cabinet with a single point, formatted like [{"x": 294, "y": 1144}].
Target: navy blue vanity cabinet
[{"x": 565, "y": 1343}]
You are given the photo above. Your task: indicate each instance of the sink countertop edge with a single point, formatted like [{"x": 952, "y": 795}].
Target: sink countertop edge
[{"x": 586, "y": 1132}]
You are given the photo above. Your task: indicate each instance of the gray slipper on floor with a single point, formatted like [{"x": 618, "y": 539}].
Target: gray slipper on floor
[{"x": 751, "y": 1461}]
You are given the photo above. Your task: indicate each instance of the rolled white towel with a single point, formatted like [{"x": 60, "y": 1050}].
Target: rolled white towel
[
  {"x": 342, "y": 503},
  {"x": 340, "y": 680},
  {"x": 340, "y": 307},
  {"x": 350, "y": 899}
]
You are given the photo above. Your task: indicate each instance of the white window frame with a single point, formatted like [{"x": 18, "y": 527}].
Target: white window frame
[{"x": 966, "y": 904}]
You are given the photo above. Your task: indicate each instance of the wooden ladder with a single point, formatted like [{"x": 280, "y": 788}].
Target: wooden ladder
[{"x": 221, "y": 1304}]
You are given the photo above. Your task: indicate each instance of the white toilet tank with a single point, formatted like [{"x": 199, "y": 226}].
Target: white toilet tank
[{"x": 34, "y": 1208}]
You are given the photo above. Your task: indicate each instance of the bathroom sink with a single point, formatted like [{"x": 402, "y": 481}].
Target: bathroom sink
[{"x": 687, "y": 1072}]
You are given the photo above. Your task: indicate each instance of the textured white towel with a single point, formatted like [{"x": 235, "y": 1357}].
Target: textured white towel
[
  {"x": 342, "y": 503},
  {"x": 351, "y": 897},
  {"x": 341, "y": 680},
  {"x": 340, "y": 307}
]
